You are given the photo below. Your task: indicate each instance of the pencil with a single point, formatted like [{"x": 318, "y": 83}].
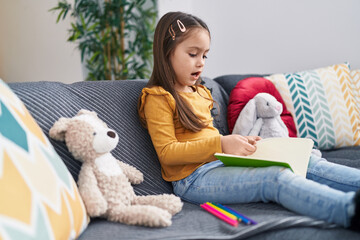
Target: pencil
[
  {"x": 245, "y": 219},
  {"x": 220, "y": 215},
  {"x": 223, "y": 211}
]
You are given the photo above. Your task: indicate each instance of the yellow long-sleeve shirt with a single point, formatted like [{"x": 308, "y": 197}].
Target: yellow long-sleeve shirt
[{"x": 180, "y": 151}]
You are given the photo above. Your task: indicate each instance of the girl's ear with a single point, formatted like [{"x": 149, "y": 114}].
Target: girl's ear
[
  {"x": 246, "y": 119},
  {"x": 58, "y": 130}
]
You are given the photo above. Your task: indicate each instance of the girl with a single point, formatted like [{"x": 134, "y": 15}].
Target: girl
[{"x": 175, "y": 109}]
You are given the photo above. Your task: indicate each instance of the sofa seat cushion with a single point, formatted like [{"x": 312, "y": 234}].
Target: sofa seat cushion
[
  {"x": 39, "y": 198},
  {"x": 195, "y": 223}
]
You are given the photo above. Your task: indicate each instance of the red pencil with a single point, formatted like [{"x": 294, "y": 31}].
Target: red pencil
[{"x": 220, "y": 215}]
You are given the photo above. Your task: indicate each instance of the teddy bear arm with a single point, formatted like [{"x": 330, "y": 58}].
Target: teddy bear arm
[
  {"x": 94, "y": 201},
  {"x": 134, "y": 175}
]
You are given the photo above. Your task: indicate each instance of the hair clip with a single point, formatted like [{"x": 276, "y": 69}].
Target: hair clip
[
  {"x": 172, "y": 32},
  {"x": 181, "y": 26}
]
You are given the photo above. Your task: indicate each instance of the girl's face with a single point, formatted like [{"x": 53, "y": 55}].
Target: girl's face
[{"x": 188, "y": 59}]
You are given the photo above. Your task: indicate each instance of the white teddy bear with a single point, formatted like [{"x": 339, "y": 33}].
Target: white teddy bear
[{"x": 105, "y": 182}]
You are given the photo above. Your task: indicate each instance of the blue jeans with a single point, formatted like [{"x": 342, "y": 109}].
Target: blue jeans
[{"x": 327, "y": 192}]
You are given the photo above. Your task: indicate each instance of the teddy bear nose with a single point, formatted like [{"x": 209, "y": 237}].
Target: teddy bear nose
[{"x": 111, "y": 134}]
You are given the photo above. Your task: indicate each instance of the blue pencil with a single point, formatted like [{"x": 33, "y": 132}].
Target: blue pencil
[{"x": 244, "y": 219}]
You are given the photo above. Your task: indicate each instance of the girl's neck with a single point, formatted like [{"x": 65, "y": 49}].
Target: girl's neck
[{"x": 188, "y": 89}]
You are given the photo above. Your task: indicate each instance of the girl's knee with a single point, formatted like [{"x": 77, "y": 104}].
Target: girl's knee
[
  {"x": 285, "y": 174},
  {"x": 276, "y": 172},
  {"x": 314, "y": 160}
]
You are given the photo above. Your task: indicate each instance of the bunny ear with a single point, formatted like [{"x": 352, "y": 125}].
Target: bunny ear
[
  {"x": 246, "y": 119},
  {"x": 58, "y": 130}
]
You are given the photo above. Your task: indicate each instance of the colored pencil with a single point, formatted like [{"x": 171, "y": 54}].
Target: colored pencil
[
  {"x": 219, "y": 215},
  {"x": 245, "y": 219},
  {"x": 232, "y": 216}
]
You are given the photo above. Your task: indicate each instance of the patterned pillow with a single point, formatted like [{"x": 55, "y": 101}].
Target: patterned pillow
[
  {"x": 323, "y": 105},
  {"x": 39, "y": 198},
  {"x": 355, "y": 75}
]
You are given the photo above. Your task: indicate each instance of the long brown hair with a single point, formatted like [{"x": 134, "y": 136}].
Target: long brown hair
[{"x": 167, "y": 36}]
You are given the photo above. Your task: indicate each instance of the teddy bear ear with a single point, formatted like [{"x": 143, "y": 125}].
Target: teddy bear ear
[
  {"x": 58, "y": 130},
  {"x": 84, "y": 111}
]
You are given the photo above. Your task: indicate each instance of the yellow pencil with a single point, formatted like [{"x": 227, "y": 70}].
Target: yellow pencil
[{"x": 222, "y": 211}]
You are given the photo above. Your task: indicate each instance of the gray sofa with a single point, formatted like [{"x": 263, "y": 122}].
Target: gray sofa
[{"x": 115, "y": 102}]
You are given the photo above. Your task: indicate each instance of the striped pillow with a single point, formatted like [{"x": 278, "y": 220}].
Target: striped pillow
[{"x": 323, "y": 105}]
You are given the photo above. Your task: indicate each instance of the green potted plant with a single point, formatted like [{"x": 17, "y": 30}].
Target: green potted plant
[{"x": 115, "y": 37}]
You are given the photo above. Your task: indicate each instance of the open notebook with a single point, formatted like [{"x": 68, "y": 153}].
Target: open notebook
[{"x": 293, "y": 153}]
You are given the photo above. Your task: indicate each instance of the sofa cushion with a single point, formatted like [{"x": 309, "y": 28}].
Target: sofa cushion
[
  {"x": 195, "y": 223},
  {"x": 39, "y": 198},
  {"x": 245, "y": 90},
  {"x": 219, "y": 111},
  {"x": 115, "y": 103},
  {"x": 228, "y": 82},
  {"x": 322, "y": 104}
]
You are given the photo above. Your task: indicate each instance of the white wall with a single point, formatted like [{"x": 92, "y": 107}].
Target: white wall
[
  {"x": 33, "y": 47},
  {"x": 248, "y": 36},
  {"x": 270, "y": 36}
]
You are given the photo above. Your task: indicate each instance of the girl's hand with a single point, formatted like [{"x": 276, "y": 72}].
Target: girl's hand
[
  {"x": 253, "y": 139},
  {"x": 239, "y": 145}
]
